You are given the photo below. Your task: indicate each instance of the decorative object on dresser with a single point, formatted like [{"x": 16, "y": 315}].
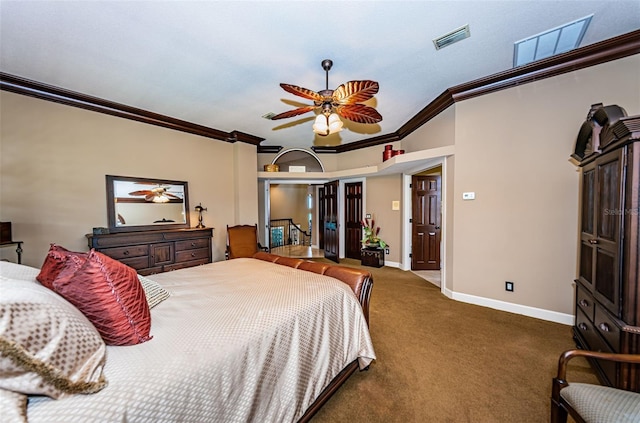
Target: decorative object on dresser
[
  {"x": 157, "y": 251},
  {"x": 608, "y": 285},
  {"x": 200, "y": 209},
  {"x": 6, "y": 239}
]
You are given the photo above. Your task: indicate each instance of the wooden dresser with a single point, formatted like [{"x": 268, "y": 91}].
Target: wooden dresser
[
  {"x": 608, "y": 286},
  {"x": 156, "y": 251}
]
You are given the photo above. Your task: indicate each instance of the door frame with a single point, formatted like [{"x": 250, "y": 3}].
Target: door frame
[
  {"x": 265, "y": 208},
  {"x": 407, "y": 215},
  {"x": 342, "y": 208}
]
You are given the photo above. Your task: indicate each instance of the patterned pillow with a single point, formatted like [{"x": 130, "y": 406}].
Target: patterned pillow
[
  {"x": 110, "y": 295},
  {"x": 153, "y": 291},
  {"x": 21, "y": 272},
  {"x": 13, "y": 406},
  {"x": 47, "y": 346},
  {"x": 55, "y": 262}
]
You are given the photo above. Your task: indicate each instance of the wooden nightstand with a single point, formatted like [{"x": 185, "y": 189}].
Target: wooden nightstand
[{"x": 373, "y": 258}]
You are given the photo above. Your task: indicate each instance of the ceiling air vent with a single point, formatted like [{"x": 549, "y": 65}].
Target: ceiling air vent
[{"x": 452, "y": 37}]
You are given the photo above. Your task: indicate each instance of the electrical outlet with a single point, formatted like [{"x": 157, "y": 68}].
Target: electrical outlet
[
  {"x": 386, "y": 251},
  {"x": 508, "y": 286}
]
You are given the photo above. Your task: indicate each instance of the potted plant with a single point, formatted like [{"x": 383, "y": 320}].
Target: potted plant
[{"x": 370, "y": 238}]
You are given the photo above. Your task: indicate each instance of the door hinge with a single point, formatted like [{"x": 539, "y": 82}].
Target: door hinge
[
  {"x": 410, "y": 185},
  {"x": 410, "y": 255},
  {"x": 410, "y": 220}
]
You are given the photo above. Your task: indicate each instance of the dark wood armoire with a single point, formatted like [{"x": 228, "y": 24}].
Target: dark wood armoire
[{"x": 607, "y": 304}]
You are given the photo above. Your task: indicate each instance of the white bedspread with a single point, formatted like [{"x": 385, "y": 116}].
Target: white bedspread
[{"x": 237, "y": 341}]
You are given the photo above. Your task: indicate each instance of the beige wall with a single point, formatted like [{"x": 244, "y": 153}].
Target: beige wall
[
  {"x": 380, "y": 192},
  {"x": 438, "y": 132},
  {"x": 370, "y": 156},
  {"x": 512, "y": 150},
  {"x": 245, "y": 183},
  {"x": 54, "y": 160}
]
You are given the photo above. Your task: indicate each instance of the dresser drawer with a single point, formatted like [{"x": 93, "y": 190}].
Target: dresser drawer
[
  {"x": 584, "y": 325},
  {"x": 119, "y": 253},
  {"x": 185, "y": 264},
  {"x": 136, "y": 262},
  {"x": 187, "y": 255},
  {"x": 192, "y": 244},
  {"x": 584, "y": 300},
  {"x": 596, "y": 343},
  {"x": 607, "y": 327}
]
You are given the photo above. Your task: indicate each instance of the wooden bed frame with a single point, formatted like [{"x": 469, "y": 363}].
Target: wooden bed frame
[{"x": 360, "y": 281}]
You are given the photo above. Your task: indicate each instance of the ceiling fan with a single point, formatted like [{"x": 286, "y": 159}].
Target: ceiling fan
[
  {"x": 158, "y": 194},
  {"x": 343, "y": 101}
]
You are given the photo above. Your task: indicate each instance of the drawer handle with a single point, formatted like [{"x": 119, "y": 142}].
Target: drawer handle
[
  {"x": 604, "y": 327},
  {"x": 193, "y": 244},
  {"x": 593, "y": 241},
  {"x": 584, "y": 303},
  {"x": 193, "y": 254},
  {"x": 126, "y": 253},
  {"x": 582, "y": 326}
]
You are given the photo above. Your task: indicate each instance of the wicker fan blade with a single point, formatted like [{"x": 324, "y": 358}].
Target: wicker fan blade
[
  {"x": 359, "y": 113},
  {"x": 302, "y": 92},
  {"x": 355, "y": 92},
  {"x": 294, "y": 112},
  {"x": 143, "y": 192},
  {"x": 149, "y": 197},
  {"x": 168, "y": 194}
]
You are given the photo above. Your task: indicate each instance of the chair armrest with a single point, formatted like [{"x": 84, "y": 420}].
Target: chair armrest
[
  {"x": 568, "y": 355},
  {"x": 560, "y": 381}
]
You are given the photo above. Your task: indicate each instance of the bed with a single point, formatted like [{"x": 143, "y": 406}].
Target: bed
[{"x": 265, "y": 339}]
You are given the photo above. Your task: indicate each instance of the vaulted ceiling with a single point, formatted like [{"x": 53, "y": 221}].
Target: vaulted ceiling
[{"x": 218, "y": 64}]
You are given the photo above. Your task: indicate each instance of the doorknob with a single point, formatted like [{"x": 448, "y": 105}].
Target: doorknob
[{"x": 437, "y": 227}]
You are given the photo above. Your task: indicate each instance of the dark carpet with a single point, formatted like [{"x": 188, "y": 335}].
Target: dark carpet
[{"x": 439, "y": 360}]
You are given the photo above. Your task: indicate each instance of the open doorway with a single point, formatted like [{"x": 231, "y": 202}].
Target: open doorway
[
  {"x": 426, "y": 224},
  {"x": 292, "y": 220}
]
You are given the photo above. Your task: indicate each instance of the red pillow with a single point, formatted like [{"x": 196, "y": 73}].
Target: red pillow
[
  {"x": 55, "y": 261},
  {"x": 110, "y": 295}
]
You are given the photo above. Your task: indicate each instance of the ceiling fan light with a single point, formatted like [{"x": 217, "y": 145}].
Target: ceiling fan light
[
  {"x": 321, "y": 125},
  {"x": 160, "y": 199},
  {"x": 335, "y": 124}
]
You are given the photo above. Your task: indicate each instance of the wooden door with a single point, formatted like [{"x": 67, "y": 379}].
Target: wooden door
[
  {"x": 425, "y": 228},
  {"x": 321, "y": 209},
  {"x": 331, "y": 232},
  {"x": 352, "y": 219}
]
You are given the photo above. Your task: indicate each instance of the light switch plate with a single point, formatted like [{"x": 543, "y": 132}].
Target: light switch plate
[
  {"x": 395, "y": 205},
  {"x": 368, "y": 216},
  {"x": 468, "y": 195}
]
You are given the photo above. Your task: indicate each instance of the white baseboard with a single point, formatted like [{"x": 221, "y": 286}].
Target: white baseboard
[
  {"x": 538, "y": 313},
  {"x": 392, "y": 264}
]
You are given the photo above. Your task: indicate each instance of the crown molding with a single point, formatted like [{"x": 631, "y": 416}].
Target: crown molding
[{"x": 19, "y": 85}]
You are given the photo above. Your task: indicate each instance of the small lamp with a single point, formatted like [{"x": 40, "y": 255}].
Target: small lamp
[{"x": 200, "y": 209}]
